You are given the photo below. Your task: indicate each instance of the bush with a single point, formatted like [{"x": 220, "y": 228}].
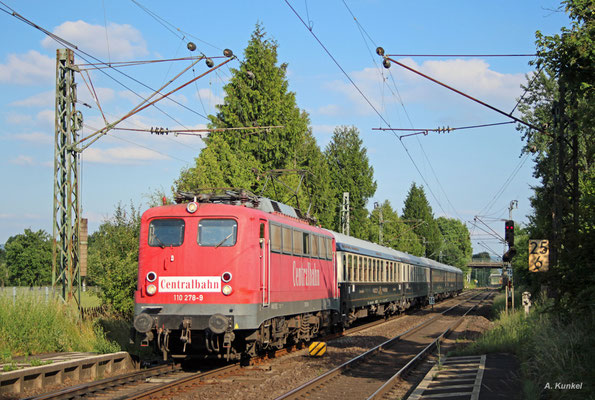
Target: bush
[
  {"x": 31, "y": 326},
  {"x": 551, "y": 349}
]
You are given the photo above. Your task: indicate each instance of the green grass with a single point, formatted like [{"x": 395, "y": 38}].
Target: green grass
[
  {"x": 29, "y": 325},
  {"x": 550, "y": 349}
]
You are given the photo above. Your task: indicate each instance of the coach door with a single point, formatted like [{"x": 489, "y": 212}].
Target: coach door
[{"x": 265, "y": 258}]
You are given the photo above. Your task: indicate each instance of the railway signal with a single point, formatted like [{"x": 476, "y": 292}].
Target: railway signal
[{"x": 509, "y": 233}]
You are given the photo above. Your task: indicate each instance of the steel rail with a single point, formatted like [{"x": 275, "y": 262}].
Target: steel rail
[
  {"x": 180, "y": 383},
  {"x": 385, "y": 388},
  {"x": 85, "y": 388},
  {"x": 348, "y": 364}
]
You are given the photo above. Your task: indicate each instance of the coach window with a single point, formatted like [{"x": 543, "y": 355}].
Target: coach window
[
  {"x": 298, "y": 242},
  {"x": 275, "y": 238},
  {"x": 374, "y": 270},
  {"x": 217, "y": 232},
  {"x": 287, "y": 240},
  {"x": 166, "y": 232},
  {"x": 306, "y": 243}
]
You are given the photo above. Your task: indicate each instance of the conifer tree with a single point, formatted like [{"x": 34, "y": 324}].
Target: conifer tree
[
  {"x": 418, "y": 214},
  {"x": 395, "y": 233},
  {"x": 258, "y": 95},
  {"x": 350, "y": 171}
]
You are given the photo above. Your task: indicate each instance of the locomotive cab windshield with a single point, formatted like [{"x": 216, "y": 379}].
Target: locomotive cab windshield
[
  {"x": 217, "y": 232},
  {"x": 166, "y": 232}
]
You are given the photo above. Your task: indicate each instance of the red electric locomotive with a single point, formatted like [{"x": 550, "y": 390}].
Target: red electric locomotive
[{"x": 228, "y": 274}]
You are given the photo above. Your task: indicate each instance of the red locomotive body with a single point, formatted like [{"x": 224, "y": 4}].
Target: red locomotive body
[{"x": 229, "y": 279}]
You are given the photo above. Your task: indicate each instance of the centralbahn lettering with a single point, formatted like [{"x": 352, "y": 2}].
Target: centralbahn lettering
[
  {"x": 306, "y": 276},
  {"x": 189, "y": 284}
]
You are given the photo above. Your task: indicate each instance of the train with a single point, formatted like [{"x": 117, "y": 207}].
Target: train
[{"x": 228, "y": 274}]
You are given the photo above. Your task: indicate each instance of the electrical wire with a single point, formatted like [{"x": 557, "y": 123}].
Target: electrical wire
[
  {"x": 362, "y": 32},
  {"x": 367, "y": 101},
  {"x": 84, "y": 55}
]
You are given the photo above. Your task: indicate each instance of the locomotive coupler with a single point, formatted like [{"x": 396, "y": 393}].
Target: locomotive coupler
[
  {"x": 148, "y": 338},
  {"x": 186, "y": 336}
]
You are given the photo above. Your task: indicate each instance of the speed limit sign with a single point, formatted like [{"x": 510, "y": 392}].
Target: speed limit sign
[{"x": 539, "y": 255}]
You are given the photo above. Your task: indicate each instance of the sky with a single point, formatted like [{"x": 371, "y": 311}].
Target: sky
[{"x": 465, "y": 173}]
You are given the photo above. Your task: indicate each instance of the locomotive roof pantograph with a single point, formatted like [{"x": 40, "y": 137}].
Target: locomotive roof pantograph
[{"x": 241, "y": 197}]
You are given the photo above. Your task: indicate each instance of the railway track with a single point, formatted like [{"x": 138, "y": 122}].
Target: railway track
[
  {"x": 167, "y": 380},
  {"x": 373, "y": 374}
]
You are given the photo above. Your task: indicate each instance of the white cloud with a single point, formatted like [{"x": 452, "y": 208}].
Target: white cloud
[
  {"x": 209, "y": 99},
  {"x": 27, "y": 69},
  {"x": 34, "y": 137},
  {"x": 43, "y": 99},
  {"x": 42, "y": 120},
  {"x": 103, "y": 94},
  {"x": 121, "y": 155},
  {"x": 23, "y": 160},
  {"x": 125, "y": 41},
  {"x": 331, "y": 110},
  {"x": 473, "y": 77}
]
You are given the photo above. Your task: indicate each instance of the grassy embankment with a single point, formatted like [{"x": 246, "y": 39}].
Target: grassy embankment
[
  {"x": 30, "y": 325},
  {"x": 551, "y": 349}
]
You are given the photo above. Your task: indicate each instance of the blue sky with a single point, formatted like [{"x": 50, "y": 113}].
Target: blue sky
[{"x": 462, "y": 171}]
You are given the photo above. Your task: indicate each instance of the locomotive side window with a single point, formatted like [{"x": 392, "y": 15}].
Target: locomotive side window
[
  {"x": 297, "y": 243},
  {"x": 287, "y": 240},
  {"x": 166, "y": 232},
  {"x": 321, "y": 247},
  {"x": 217, "y": 232},
  {"x": 329, "y": 248},
  {"x": 315, "y": 246},
  {"x": 306, "y": 243},
  {"x": 275, "y": 238}
]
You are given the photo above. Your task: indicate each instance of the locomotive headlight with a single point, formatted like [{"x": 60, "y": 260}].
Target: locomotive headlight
[
  {"x": 226, "y": 277},
  {"x": 151, "y": 276},
  {"x": 151, "y": 290},
  {"x": 192, "y": 207},
  {"x": 227, "y": 290}
]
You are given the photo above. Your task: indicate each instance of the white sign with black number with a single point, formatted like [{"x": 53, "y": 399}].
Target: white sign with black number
[
  {"x": 539, "y": 255},
  {"x": 431, "y": 299}
]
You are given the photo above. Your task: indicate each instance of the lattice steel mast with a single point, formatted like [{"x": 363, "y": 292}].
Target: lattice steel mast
[{"x": 66, "y": 227}]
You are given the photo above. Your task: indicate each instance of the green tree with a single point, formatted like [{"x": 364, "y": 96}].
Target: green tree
[
  {"x": 350, "y": 171},
  {"x": 3, "y": 267},
  {"x": 113, "y": 258},
  {"x": 258, "y": 95},
  {"x": 29, "y": 258},
  {"x": 418, "y": 214},
  {"x": 219, "y": 166},
  {"x": 457, "y": 247},
  {"x": 561, "y": 100},
  {"x": 396, "y": 234}
]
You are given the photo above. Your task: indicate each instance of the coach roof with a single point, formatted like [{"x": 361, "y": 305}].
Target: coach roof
[{"x": 363, "y": 247}]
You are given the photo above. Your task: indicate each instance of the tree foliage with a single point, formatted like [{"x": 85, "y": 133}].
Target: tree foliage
[
  {"x": 418, "y": 214},
  {"x": 457, "y": 247},
  {"x": 350, "y": 171},
  {"x": 113, "y": 258},
  {"x": 29, "y": 258},
  {"x": 395, "y": 232},
  {"x": 561, "y": 100},
  {"x": 258, "y": 95}
]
